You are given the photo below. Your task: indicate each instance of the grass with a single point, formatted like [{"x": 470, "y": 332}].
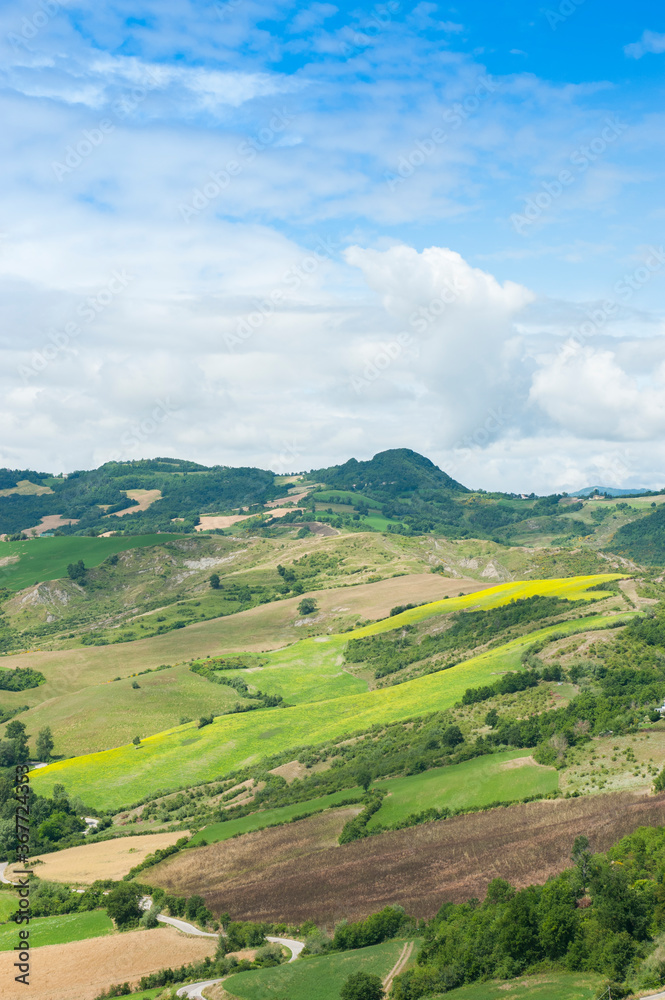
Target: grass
[
  {"x": 41, "y": 559},
  {"x": 101, "y": 716},
  {"x": 184, "y": 755},
  {"x": 473, "y": 783},
  {"x": 59, "y": 930},
  {"x": 546, "y": 986},
  {"x": 8, "y": 905},
  {"x": 319, "y": 978},
  {"x": 272, "y": 817}
]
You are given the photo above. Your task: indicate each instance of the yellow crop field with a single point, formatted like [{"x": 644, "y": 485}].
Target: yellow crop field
[{"x": 186, "y": 755}]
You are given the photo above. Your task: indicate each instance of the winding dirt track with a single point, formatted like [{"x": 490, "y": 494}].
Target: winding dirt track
[{"x": 399, "y": 965}]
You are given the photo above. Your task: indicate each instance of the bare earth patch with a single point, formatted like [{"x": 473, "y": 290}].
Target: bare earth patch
[
  {"x": 509, "y": 765},
  {"x": 294, "y": 769},
  {"x": 109, "y": 859},
  {"x": 419, "y": 868},
  {"x": 50, "y": 523},
  {"x": 196, "y": 871},
  {"x": 209, "y": 521},
  {"x": 145, "y": 499},
  {"x": 82, "y": 969}
]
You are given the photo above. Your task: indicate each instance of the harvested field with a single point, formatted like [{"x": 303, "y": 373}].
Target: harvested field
[
  {"x": 109, "y": 859},
  {"x": 82, "y": 969},
  {"x": 49, "y": 523},
  {"x": 190, "y": 871},
  {"x": 419, "y": 868},
  {"x": 145, "y": 499},
  {"x": 209, "y": 521}
]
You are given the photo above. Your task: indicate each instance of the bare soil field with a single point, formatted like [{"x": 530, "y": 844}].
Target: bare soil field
[
  {"x": 251, "y": 855},
  {"x": 145, "y": 499},
  {"x": 109, "y": 859},
  {"x": 49, "y": 523},
  {"x": 209, "y": 521},
  {"x": 82, "y": 969},
  {"x": 419, "y": 868}
]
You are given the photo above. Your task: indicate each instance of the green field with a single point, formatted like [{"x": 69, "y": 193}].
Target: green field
[
  {"x": 319, "y": 978},
  {"x": 185, "y": 755},
  {"x": 547, "y": 986},
  {"x": 8, "y": 905},
  {"x": 473, "y": 783},
  {"x": 271, "y": 817},
  {"x": 59, "y": 930},
  {"x": 43, "y": 559}
]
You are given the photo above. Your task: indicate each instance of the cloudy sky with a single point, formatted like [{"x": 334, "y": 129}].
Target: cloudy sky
[{"x": 284, "y": 234}]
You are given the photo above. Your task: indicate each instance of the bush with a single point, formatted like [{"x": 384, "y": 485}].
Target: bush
[
  {"x": 362, "y": 986},
  {"x": 307, "y": 606}
]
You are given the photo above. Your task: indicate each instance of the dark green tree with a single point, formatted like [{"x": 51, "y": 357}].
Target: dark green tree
[
  {"x": 122, "y": 904},
  {"x": 307, "y": 606},
  {"x": 214, "y": 581},
  {"x": 45, "y": 744},
  {"x": 362, "y": 986},
  {"x": 15, "y": 732}
]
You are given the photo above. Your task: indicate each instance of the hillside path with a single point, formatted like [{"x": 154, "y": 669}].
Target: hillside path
[
  {"x": 404, "y": 957},
  {"x": 186, "y": 928},
  {"x": 3, "y": 866}
]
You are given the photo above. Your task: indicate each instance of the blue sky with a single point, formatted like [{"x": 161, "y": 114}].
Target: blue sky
[{"x": 283, "y": 234}]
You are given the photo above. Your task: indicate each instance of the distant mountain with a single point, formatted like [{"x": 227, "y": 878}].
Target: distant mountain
[
  {"x": 397, "y": 472},
  {"x": 609, "y": 491}
]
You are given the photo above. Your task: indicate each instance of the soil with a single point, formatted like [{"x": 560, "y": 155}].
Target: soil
[
  {"x": 420, "y": 868},
  {"x": 80, "y": 970},
  {"x": 109, "y": 859}
]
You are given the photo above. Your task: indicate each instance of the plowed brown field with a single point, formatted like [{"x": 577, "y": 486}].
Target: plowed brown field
[
  {"x": 82, "y": 969},
  {"x": 420, "y": 867},
  {"x": 252, "y": 854}
]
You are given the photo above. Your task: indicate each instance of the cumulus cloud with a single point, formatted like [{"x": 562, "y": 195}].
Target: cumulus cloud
[{"x": 587, "y": 392}]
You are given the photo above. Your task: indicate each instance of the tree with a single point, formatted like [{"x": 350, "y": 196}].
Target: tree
[
  {"x": 307, "y": 606},
  {"x": 364, "y": 778},
  {"x": 362, "y": 986},
  {"x": 45, "y": 744},
  {"x": 492, "y": 718},
  {"x": 135, "y": 685},
  {"x": 122, "y": 904},
  {"x": 15, "y": 732},
  {"x": 214, "y": 581},
  {"x": 581, "y": 858},
  {"x": 77, "y": 571},
  {"x": 136, "y": 741}
]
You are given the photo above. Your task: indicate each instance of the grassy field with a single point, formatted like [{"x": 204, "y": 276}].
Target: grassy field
[
  {"x": 47, "y": 558},
  {"x": 8, "y": 905},
  {"x": 60, "y": 929},
  {"x": 185, "y": 755},
  {"x": 319, "y": 978},
  {"x": 99, "y": 717},
  {"x": 547, "y": 986},
  {"x": 217, "y": 832},
  {"x": 473, "y": 783}
]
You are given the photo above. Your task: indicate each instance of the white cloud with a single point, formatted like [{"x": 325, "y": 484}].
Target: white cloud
[
  {"x": 588, "y": 393},
  {"x": 651, "y": 41}
]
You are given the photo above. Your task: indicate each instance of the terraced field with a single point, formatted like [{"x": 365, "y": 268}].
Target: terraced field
[{"x": 186, "y": 755}]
